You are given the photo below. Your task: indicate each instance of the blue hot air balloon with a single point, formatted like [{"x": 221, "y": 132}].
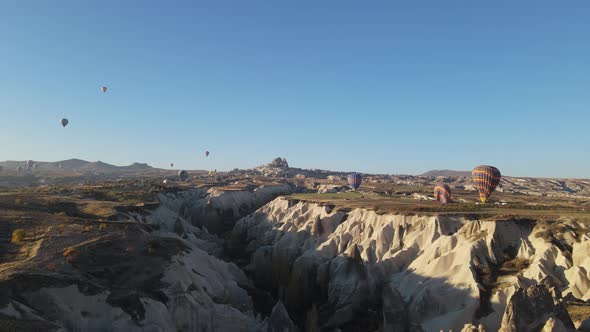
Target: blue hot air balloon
[{"x": 354, "y": 180}]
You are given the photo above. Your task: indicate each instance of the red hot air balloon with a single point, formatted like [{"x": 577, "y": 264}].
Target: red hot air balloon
[
  {"x": 486, "y": 179},
  {"x": 354, "y": 180},
  {"x": 442, "y": 193}
]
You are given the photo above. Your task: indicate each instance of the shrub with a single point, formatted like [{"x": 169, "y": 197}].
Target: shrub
[
  {"x": 18, "y": 235},
  {"x": 102, "y": 227}
]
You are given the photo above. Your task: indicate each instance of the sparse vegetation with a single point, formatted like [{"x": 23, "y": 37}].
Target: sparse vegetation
[
  {"x": 514, "y": 266},
  {"x": 87, "y": 228},
  {"x": 102, "y": 226},
  {"x": 579, "y": 312},
  {"x": 18, "y": 235}
]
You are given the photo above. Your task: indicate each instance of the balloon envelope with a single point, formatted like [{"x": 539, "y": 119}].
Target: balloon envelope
[
  {"x": 103, "y": 89},
  {"x": 183, "y": 175},
  {"x": 442, "y": 193},
  {"x": 206, "y": 153},
  {"x": 354, "y": 180},
  {"x": 64, "y": 122},
  {"x": 486, "y": 179}
]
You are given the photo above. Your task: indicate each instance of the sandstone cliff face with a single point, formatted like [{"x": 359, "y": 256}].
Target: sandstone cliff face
[
  {"x": 441, "y": 272},
  {"x": 157, "y": 269}
]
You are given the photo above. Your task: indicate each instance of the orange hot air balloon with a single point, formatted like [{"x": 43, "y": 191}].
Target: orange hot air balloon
[
  {"x": 103, "y": 89},
  {"x": 442, "y": 193},
  {"x": 486, "y": 179}
]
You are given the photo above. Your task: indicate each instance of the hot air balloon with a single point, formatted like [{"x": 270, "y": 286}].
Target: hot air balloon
[
  {"x": 64, "y": 122},
  {"x": 442, "y": 193},
  {"x": 354, "y": 180},
  {"x": 30, "y": 163},
  {"x": 206, "y": 154},
  {"x": 486, "y": 179},
  {"x": 103, "y": 89},
  {"x": 171, "y": 164},
  {"x": 183, "y": 175}
]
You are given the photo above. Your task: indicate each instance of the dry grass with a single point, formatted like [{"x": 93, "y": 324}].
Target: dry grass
[
  {"x": 513, "y": 207},
  {"x": 579, "y": 312},
  {"x": 18, "y": 235}
]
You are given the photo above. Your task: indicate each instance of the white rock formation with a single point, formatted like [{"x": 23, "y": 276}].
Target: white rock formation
[{"x": 444, "y": 267}]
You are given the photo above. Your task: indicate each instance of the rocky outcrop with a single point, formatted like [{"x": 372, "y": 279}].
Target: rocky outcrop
[
  {"x": 535, "y": 308},
  {"x": 439, "y": 272},
  {"x": 279, "y": 320},
  {"x": 156, "y": 269}
]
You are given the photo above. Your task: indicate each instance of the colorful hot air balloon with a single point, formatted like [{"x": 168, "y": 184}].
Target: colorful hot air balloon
[
  {"x": 354, "y": 180},
  {"x": 64, "y": 122},
  {"x": 206, "y": 153},
  {"x": 183, "y": 175},
  {"x": 486, "y": 179},
  {"x": 103, "y": 89},
  {"x": 442, "y": 193}
]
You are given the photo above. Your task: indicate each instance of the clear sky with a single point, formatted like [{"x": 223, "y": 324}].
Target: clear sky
[{"x": 370, "y": 86}]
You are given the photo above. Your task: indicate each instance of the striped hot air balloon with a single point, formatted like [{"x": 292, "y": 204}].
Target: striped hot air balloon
[
  {"x": 354, "y": 180},
  {"x": 442, "y": 193},
  {"x": 486, "y": 179}
]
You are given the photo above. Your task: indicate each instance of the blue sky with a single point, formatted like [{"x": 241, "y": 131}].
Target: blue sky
[{"x": 380, "y": 86}]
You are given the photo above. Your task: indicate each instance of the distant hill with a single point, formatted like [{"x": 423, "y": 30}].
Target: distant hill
[
  {"x": 446, "y": 172},
  {"x": 78, "y": 166}
]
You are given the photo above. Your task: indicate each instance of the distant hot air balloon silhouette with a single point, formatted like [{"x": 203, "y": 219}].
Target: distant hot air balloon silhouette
[
  {"x": 354, "y": 180},
  {"x": 171, "y": 164},
  {"x": 64, "y": 122},
  {"x": 486, "y": 179},
  {"x": 206, "y": 153},
  {"x": 103, "y": 89},
  {"x": 442, "y": 193},
  {"x": 30, "y": 163},
  {"x": 183, "y": 175}
]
